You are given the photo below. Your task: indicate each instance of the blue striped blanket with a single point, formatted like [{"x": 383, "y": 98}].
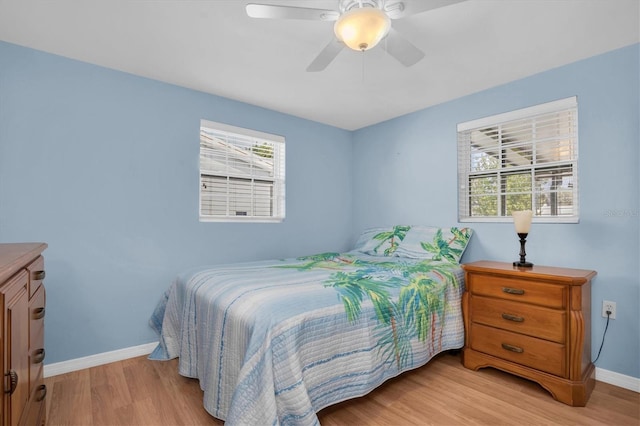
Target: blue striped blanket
[{"x": 274, "y": 342}]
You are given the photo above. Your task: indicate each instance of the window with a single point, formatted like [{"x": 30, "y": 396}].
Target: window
[
  {"x": 241, "y": 174},
  {"x": 521, "y": 160}
]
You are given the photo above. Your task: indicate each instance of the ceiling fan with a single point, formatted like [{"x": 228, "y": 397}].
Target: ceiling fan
[{"x": 359, "y": 24}]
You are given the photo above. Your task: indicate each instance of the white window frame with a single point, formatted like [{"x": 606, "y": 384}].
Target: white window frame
[
  {"x": 228, "y": 160},
  {"x": 569, "y": 141}
]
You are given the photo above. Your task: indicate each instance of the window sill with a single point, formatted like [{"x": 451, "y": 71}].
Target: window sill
[{"x": 240, "y": 219}]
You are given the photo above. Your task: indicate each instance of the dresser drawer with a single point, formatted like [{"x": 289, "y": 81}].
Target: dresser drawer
[
  {"x": 521, "y": 290},
  {"x": 531, "y": 320},
  {"x": 34, "y": 415},
  {"x": 36, "y": 275},
  {"x": 36, "y": 318},
  {"x": 36, "y": 369},
  {"x": 525, "y": 350}
]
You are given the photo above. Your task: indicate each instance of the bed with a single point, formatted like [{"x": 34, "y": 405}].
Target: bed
[{"x": 274, "y": 342}]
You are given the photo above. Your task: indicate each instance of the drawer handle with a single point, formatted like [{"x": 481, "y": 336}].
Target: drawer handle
[
  {"x": 42, "y": 392},
  {"x": 39, "y": 275},
  {"x": 509, "y": 290},
  {"x": 512, "y": 348},
  {"x": 38, "y": 356},
  {"x": 513, "y": 318},
  {"x": 13, "y": 381},
  {"x": 38, "y": 313}
]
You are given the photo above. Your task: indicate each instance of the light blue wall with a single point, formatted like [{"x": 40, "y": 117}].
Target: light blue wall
[
  {"x": 103, "y": 166},
  {"x": 405, "y": 171}
]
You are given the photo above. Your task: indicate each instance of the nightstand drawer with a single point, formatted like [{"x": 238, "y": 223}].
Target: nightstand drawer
[
  {"x": 535, "y": 353},
  {"x": 532, "y": 320},
  {"x": 534, "y": 292}
]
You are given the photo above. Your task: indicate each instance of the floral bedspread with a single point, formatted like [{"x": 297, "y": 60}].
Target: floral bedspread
[{"x": 274, "y": 342}]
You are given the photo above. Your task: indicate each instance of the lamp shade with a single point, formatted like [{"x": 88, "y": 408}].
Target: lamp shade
[
  {"x": 362, "y": 28},
  {"x": 522, "y": 221}
]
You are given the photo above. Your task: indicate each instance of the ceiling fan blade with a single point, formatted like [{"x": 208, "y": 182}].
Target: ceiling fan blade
[
  {"x": 270, "y": 11},
  {"x": 402, "y": 9},
  {"x": 401, "y": 49},
  {"x": 326, "y": 56}
]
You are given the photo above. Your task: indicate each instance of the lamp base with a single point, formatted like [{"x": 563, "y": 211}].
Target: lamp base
[{"x": 523, "y": 264}]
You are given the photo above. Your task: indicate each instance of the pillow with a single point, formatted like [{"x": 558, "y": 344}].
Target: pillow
[
  {"x": 428, "y": 242},
  {"x": 381, "y": 241}
]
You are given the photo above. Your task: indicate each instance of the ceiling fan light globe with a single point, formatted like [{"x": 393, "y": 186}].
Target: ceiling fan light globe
[{"x": 362, "y": 28}]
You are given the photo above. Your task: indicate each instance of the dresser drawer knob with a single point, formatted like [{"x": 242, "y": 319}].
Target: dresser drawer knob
[
  {"x": 38, "y": 356},
  {"x": 512, "y": 348},
  {"x": 513, "y": 318},
  {"x": 509, "y": 290},
  {"x": 41, "y": 393},
  {"x": 38, "y": 313},
  {"x": 39, "y": 275},
  {"x": 13, "y": 382}
]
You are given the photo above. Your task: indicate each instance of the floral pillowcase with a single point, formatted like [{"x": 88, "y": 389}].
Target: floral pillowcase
[
  {"x": 415, "y": 242},
  {"x": 426, "y": 242},
  {"x": 381, "y": 241}
]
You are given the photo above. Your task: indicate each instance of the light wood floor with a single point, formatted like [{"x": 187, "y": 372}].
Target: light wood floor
[{"x": 142, "y": 392}]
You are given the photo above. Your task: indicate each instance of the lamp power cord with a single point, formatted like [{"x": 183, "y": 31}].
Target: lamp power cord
[{"x": 603, "y": 335}]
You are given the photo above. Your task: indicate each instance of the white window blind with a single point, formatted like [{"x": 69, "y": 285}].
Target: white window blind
[
  {"x": 242, "y": 174},
  {"x": 521, "y": 160}
]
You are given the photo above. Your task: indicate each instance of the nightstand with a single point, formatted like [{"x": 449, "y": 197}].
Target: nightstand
[{"x": 533, "y": 322}]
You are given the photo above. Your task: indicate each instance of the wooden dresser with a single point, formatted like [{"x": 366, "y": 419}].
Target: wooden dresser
[
  {"x": 532, "y": 322},
  {"x": 22, "y": 297}
]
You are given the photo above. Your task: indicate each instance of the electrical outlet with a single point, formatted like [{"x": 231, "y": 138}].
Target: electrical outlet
[{"x": 609, "y": 306}]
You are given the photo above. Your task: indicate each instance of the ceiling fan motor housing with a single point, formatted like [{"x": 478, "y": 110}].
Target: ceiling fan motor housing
[{"x": 347, "y": 5}]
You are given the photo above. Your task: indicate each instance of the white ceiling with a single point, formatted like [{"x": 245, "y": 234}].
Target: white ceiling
[{"x": 213, "y": 47}]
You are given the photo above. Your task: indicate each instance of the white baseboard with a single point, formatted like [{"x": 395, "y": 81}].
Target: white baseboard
[
  {"x": 617, "y": 379},
  {"x": 606, "y": 376},
  {"x": 97, "y": 359}
]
